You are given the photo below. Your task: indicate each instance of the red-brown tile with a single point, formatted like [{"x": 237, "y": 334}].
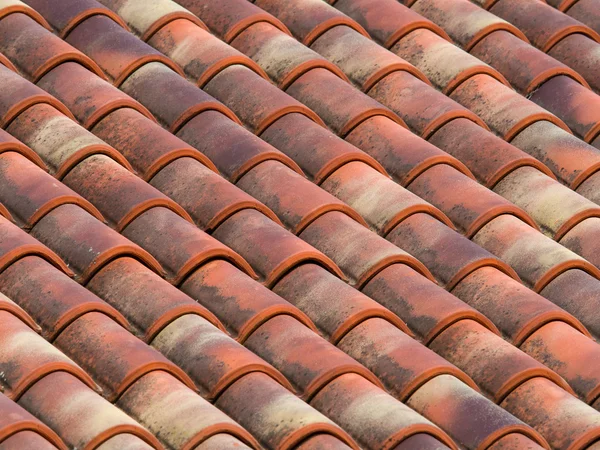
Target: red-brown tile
[
  {"x": 248, "y": 231},
  {"x": 232, "y": 148},
  {"x": 229, "y": 22},
  {"x": 36, "y": 51},
  {"x": 516, "y": 310},
  {"x": 6, "y": 213},
  {"x": 308, "y": 20},
  {"x": 506, "y": 112},
  {"x": 17, "y": 6},
  {"x": 148, "y": 301},
  {"x": 565, "y": 421},
  {"x": 425, "y": 307},
  {"x": 30, "y": 193},
  {"x": 496, "y": 366},
  {"x": 526, "y": 67},
  {"x": 26, "y": 439},
  {"x": 452, "y": 405},
  {"x": 124, "y": 442},
  {"x": 178, "y": 245},
  {"x": 387, "y": 21},
  {"x": 590, "y": 188},
  {"x": 583, "y": 239},
  {"x": 60, "y": 141},
  {"x": 322, "y": 442},
  {"x": 294, "y": 199},
  {"x": 465, "y": 22},
  {"x": 404, "y": 155},
  {"x": 449, "y": 255},
  {"x": 8, "y": 143},
  {"x": 373, "y": 417},
  {"x": 213, "y": 360},
  {"x": 30, "y": 279},
  {"x": 446, "y": 65},
  {"x": 112, "y": 355},
  {"x": 15, "y": 419},
  {"x": 364, "y": 61},
  {"x": 239, "y": 302},
  {"x": 585, "y": 11},
  {"x": 116, "y": 51},
  {"x": 73, "y": 410},
  {"x": 6, "y": 304},
  {"x": 580, "y": 53},
  {"x": 422, "y": 108},
  {"x": 420, "y": 441},
  {"x": 27, "y": 358},
  {"x": 222, "y": 441},
  {"x": 542, "y": 24},
  {"x": 183, "y": 102},
  {"x": 144, "y": 143},
  {"x": 536, "y": 258},
  {"x": 145, "y": 19},
  {"x": 7, "y": 63},
  {"x": 283, "y": 57},
  {"x": 89, "y": 97},
  {"x": 515, "y": 441},
  {"x": 318, "y": 151},
  {"x": 200, "y": 54}
]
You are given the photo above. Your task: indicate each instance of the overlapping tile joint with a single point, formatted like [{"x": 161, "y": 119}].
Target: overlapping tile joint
[{"x": 300, "y": 224}]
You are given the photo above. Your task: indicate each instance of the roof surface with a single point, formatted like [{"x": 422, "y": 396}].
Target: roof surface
[{"x": 300, "y": 224}]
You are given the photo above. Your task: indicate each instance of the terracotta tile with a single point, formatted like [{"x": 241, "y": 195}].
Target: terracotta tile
[
  {"x": 334, "y": 307},
  {"x": 465, "y": 22},
  {"x": 16, "y": 244},
  {"x": 60, "y": 141},
  {"x": 8, "y": 7},
  {"x": 118, "y": 52},
  {"x": 247, "y": 232},
  {"x": 148, "y": 301},
  {"x": 562, "y": 419},
  {"x": 469, "y": 205},
  {"x": 449, "y": 256},
  {"x": 308, "y": 20},
  {"x": 569, "y": 158},
  {"x": 221, "y": 441},
  {"x": 6, "y": 304},
  {"x": 145, "y": 20},
  {"x": 294, "y": 199},
  {"x": 422, "y": 108},
  {"x": 179, "y": 245},
  {"x": 30, "y": 193},
  {"x": 26, "y": 439},
  {"x": 36, "y": 51},
  {"x": 124, "y": 442},
  {"x": 400, "y": 362},
  {"x": 6, "y": 214},
  {"x": 212, "y": 359},
  {"x": 89, "y": 97},
  {"x": 517, "y": 311},
  {"x": 494, "y": 157},
  {"x": 420, "y": 441},
  {"x": 10, "y": 144},
  {"x": 364, "y": 61},
  {"x": 515, "y": 441},
  {"x": 115, "y": 357},
  {"x": 582, "y": 239},
  {"x": 209, "y": 198},
  {"x": 323, "y": 442},
  {"x": 274, "y": 415},
  {"x": 589, "y": 188},
  {"x": 578, "y": 106},
  {"x": 283, "y": 57},
  {"x": 318, "y": 151},
  {"x": 31, "y": 278},
  {"x": 144, "y": 143},
  {"x": 553, "y": 206},
  {"x": 496, "y": 366},
  {"x": 239, "y": 302},
  {"x": 17, "y": 420},
  {"x": 585, "y": 11},
  {"x": 387, "y": 21},
  {"x": 404, "y": 155},
  {"x": 526, "y": 67},
  {"x": 19, "y": 94},
  {"x": 72, "y": 409},
  {"x": 580, "y": 53},
  {"x": 7, "y": 63},
  {"x": 377, "y": 420},
  {"x": 561, "y": 5},
  {"x": 199, "y": 53},
  {"x": 549, "y": 26},
  {"x": 451, "y": 404},
  {"x": 538, "y": 260},
  {"x": 229, "y": 22},
  {"x": 27, "y": 358},
  {"x": 232, "y": 148},
  {"x": 425, "y": 307},
  {"x": 183, "y": 103},
  {"x": 86, "y": 244},
  {"x": 506, "y": 112},
  {"x": 445, "y": 64},
  {"x": 68, "y": 14}
]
